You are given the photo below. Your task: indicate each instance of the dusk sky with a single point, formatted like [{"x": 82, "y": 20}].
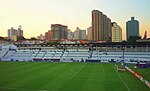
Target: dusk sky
[{"x": 36, "y": 16}]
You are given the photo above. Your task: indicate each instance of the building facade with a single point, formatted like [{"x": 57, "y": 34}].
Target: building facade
[
  {"x": 101, "y": 26},
  {"x": 79, "y": 34},
  {"x": 116, "y": 33},
  {"x": 70, "y": 34},
  {"x": 48, "y": 36},
  {"x": 41, "y": 37},
  {"x": 132, "y": 28},
  {"x": 20, "y": 31},
  {"x": 89, "y": 33},
  {"x": 59, "y": 31},
  {"x": 12, "y": 32},
  {"x": 15, "y": 33}
]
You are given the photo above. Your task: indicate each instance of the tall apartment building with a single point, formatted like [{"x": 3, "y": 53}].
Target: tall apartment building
[
  {"x": 15, "y": 32},
  {"x": 132, "y": 28},
  {"x": 79, "y": 34},
  {"x": 20, "y": 31},
  {"x": 59, "y": 31},
  {"x": 12, "y": 32},
  {"x": 101, "y": 26},
  {"x": 70, "y": 34},
  {"x": 48, "y": 36},
  {"x": 89, "y": 33},
  {"x": 116, "y": 33}
]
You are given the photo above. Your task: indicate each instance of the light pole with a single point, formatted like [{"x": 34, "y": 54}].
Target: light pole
[
  {"x": 123, "y": 49},
  {"x": 123, "y": 52}
]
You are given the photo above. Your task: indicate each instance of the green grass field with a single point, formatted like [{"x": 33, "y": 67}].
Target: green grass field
[{"x": 38, "y": 76}]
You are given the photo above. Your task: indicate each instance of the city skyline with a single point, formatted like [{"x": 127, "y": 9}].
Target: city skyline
[{"x": 37, "y": 16}]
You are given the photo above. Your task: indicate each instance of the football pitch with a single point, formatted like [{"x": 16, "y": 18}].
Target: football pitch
[{"x": 42, "y": 76}]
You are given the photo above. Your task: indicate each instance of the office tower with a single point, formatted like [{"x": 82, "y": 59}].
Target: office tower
[
  {"x": 101, "y": 26},
  {"x": 89, "y": 33},
  {"x": 79, "y": 34},
  {"x": 132, "y": 28},
  {"x": 59, "y": 31},
  {"x": 116, "y": 33}
]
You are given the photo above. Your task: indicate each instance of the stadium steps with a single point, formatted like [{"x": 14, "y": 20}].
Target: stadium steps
[
  {"x": 3, "y": 53},
  {"x": 37, "y": 54},
  {"x": 44, "y": 54},
  {"x": 54, "y": 55},
  {"x": 90, "y": 54},
  {"x": 9, "y": 54},
  {"x": 62, "y": 54}
]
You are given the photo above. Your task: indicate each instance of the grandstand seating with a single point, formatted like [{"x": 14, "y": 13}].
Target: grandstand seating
[
  {"x": 9, "y": 54},
  {"x": 70, "y": 55}
]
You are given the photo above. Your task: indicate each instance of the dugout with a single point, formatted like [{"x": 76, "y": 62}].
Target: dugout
[
  {"x": 92, "y": 60},
  {"x": 55, "y": 60}
]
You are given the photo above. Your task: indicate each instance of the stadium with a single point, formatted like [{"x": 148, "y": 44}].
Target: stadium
[{"x": 88, "y": 67}]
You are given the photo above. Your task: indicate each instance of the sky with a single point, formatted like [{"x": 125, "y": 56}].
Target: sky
[{"x": 36, "y": 16}]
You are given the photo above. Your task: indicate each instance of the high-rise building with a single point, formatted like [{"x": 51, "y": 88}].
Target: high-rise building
[
  {"x": 48, "y": 36},
  {"x": 101, "y": 26},
  {"x": 89, "y": 33},
  {"x": 132, "y": 28},
  {"x": 70, "y": 34},
  {"x": 15, "y": 33},
  {"x": 20, "y": 31},
  {"x": 79, "y": 34},
  {"x": 116, "y": 33},
  {"x": 12, "y": 32},
  {"x": 59, "y": 31}
]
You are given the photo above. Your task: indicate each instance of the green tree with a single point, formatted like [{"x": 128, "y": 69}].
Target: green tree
[
  {"x": 33, "y": 38},
  {"x": 21, "y": 38},
  {"x": 134, "y": 38}
]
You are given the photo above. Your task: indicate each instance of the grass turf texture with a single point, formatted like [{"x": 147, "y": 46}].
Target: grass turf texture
[{"x": 38, "y": 76}]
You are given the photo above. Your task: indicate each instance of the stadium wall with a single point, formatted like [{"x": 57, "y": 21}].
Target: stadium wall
[{"x": 138, "y": 76}]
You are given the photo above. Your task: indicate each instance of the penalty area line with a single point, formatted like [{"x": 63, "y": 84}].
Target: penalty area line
[{"x": 121, "y": 79}]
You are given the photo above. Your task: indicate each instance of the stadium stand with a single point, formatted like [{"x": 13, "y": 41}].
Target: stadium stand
[{"x": 11, "y": 53}]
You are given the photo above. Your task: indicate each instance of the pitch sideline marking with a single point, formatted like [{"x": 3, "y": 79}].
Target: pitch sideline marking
[
  {"x": 75, "y": 73},
  {"x": 22, "y": 89},
  {"x": 121, "y": 79}
]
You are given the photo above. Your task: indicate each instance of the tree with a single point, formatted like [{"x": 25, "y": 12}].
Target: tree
[
  {"x": 33, "y": 38},
  {"x": 134, "y": 38},
  {"x": 21, "y": 38}
]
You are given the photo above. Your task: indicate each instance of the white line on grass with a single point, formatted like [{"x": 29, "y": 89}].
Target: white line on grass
[
  {"x": 11, "y": 88},
  {"x": 121, "y": 79},
  {"x": 75, "y": 73}
]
